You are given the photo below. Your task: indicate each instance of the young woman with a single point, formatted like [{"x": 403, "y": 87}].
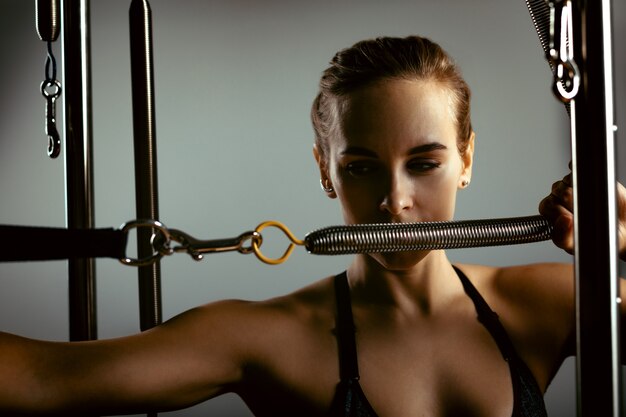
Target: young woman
[{"x": 397, "y": 334}]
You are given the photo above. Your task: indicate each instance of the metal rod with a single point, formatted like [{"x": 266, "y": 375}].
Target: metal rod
[
  {"x": 146, "y": 189},
  {"x": 78, "y": 162},
  {"x": 593, "y": 166}
]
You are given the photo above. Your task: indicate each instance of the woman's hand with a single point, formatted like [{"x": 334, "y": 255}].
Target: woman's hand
[{"x": 558, "y": 208}]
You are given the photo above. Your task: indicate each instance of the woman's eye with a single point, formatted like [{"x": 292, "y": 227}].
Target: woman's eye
[
  {"x": 421, "y": 165},
  {"x": 360, "y": 169}
]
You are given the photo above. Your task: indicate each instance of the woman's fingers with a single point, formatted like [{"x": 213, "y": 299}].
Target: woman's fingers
[{"x": 558, "y": 208}]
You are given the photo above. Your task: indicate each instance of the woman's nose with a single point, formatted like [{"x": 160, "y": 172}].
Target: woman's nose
[{"x": 398, "y": 196}]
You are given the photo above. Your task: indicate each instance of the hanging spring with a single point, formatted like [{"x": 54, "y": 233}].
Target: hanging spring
[
  {"x": 560, "y": 53},
  {"x": 48, "y": 27}
]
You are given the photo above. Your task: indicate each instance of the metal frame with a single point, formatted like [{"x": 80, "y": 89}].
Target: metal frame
[
  {"x": 78, "y": 162},
  {"x": 79, "y": 155},
  {"x": 79, "y": 166},
  {"x": 146, "y": 188},
  {"x": 593, "y": 168}
]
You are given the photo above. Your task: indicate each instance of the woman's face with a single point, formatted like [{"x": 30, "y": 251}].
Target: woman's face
[{"x": 395, "y": 157}]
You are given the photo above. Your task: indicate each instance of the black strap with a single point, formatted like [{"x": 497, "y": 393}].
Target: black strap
[
  {"x": 488, "y": 317},
  {"x": 28, "y": 243},
  {"x": 348, "y": 365},
  {"x": 528, "y": 398}
]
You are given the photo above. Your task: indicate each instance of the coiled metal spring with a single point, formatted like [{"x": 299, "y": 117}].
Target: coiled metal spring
[{"x": 396, "y": 237}]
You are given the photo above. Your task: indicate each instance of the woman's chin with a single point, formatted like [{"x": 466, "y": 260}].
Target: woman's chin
[{"x": 399, "y": 261}]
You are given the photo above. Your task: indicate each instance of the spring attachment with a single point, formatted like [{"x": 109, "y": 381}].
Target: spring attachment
[
  {"x": 293, "y": 242},
  {"x": 396, "y": 237},
  {"x": 48, "y": 25},
  {"x": 350, "y": 239},
  {"x": 51, "y": 90},
  {"x": 196, "y": 248},
  {"x": 560, "y": 53}
]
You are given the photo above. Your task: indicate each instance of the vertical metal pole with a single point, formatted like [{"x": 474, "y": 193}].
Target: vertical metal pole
[
  {"x": 146, "y": 189},
  {"x": 78, "y": 161},
  {"x": 596, "y": 259}
]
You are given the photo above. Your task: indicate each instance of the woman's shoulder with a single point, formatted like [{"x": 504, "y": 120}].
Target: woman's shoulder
[
  {"x": 536, "y": 305},
  {"x": 275, "y": 337},
  {"x": 304, "y": 307},
  {"x": 309, "y": 304},
  {"x": 523, "y": 283},
  {"x": 536, "y": 293}
]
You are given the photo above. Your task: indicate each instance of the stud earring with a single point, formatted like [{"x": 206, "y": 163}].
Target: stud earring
[
  {"x": 326, "y": 189},
  {"x": 464, "y": 183}
]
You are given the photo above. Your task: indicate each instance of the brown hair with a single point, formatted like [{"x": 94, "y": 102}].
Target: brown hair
[{"x": 385, "y": 58}]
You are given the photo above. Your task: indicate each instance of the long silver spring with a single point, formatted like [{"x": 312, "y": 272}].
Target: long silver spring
[{"x": 396, "y": 237}]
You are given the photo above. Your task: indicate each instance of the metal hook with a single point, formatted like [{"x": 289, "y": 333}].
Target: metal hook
[
  {"x": 196, "y": 247},
  {"x": 560, "y": 53},
  {"x": 51, "y": 90},
  {"x": 245, "y": 243},
  {"x": 294, "y": 241}
]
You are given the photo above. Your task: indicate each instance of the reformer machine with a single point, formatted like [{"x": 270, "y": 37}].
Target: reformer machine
[{"x": 576, "y": 37}]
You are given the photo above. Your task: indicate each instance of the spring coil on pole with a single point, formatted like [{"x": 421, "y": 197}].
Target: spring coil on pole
[{"x": 396, "y": 237}]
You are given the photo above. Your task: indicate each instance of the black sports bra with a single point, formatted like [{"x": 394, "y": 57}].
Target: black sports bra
[{"x": 350, "y": 401}]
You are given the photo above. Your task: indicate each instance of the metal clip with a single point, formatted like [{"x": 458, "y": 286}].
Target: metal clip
[
  {"x": 245, "y": 243},
  {"x": 196, "y": 247},
  {"x": 51, "y": 90},
  {"x": 560, "y": 51},
  {"x": 161, "y": 231}
]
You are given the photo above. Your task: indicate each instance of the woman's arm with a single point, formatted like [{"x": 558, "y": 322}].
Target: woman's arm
[{"x": 192, "y": 357}]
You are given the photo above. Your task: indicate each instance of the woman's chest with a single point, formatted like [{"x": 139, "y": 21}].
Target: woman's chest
[
  {"x": 456, "y": 372},
  {"x": 459, "y": 371}
]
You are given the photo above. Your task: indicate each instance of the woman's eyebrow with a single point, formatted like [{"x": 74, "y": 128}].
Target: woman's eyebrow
[
  {"x": 428, "y": 147},
  {"x": 359, "y": 151}
]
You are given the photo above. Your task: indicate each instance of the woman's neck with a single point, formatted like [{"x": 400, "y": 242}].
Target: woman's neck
[{"x": 421, "y": 286}]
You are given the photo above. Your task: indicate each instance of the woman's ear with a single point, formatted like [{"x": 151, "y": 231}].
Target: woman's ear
[
  {"x": 325, "y": 182},
  {"x": 467, "y": 159}
]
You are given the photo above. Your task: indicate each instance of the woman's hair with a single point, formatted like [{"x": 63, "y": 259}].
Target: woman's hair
[{"x": 386, "y": 58}]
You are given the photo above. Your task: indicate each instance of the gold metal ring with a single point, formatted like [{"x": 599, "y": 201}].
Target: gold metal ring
[{"x": 275, "y": 261}]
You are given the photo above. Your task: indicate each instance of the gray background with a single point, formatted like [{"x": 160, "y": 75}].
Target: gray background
[{"x": 234, "y": 82}]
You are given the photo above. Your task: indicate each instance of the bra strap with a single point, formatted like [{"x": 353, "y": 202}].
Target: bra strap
[
  {"x": 345, "y": 330},
  {"x": 488, "y": 317}
]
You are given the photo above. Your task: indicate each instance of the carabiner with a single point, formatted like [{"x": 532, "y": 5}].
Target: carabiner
[
  {"x": 51, "y": 90},
  {"x": 196, "y": 247},
  {"x": 560, "y": 53}
]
